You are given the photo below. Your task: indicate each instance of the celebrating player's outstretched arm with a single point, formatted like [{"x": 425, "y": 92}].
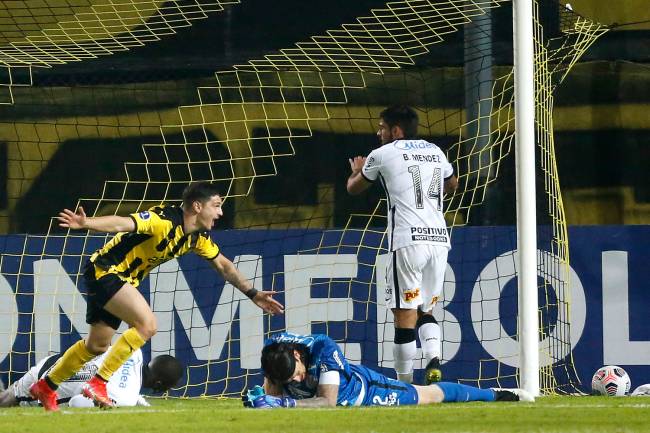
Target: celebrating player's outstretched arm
[
  {"x": 107, "y": 224},
  {"x": 261, "y": 298},
  {"x": 143, "y": 241}
]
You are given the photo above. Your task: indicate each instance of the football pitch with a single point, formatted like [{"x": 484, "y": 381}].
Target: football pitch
[{"x": 548, "y": 414}]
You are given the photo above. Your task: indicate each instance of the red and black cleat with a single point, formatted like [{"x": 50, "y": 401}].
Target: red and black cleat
[
  {"x": 95, "y": 389},
  {"x": 42, "y": 392}
]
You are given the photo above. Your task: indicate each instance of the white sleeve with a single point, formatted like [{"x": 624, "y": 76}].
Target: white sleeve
[
  {"x": 331, "y": 377},
  {"x": 370, "y": 169}
]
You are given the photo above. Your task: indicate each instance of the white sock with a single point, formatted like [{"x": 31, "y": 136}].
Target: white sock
[
  {"x": 430, "y": 341},
  {"x": 403, "y": 355}
]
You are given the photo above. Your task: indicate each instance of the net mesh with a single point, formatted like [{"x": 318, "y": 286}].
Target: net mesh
[
  {"x": 45, "y": 33},
  {"x": 275, "y": 134}
]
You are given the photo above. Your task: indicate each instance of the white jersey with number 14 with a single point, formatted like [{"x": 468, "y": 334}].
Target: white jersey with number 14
[{"x": 412, "y": 173}]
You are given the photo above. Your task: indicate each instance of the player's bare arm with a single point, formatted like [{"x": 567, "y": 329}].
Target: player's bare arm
[
  {"x": 356, "y": 182},
  {"x": 451, "y": 184},
  {"x": 325, "y": 397},
  {"x": 107, "y": 224},
  {"x": 261, "y": 298}
]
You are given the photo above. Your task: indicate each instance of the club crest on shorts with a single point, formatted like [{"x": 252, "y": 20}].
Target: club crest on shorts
[
  {"x": 409, "y": 295},
  {"x": 145, "y": 215}
]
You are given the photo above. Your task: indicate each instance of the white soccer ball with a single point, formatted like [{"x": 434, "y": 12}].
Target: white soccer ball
[{"x": 611, "y": 380}]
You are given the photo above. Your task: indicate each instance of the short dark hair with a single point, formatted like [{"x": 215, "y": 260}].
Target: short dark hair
[
  {"x": 199, "y": 191},
  {"x": 279, "y": 363},
  {"x": 164, "y": 372},
  {"x": 404, "y": 117}
]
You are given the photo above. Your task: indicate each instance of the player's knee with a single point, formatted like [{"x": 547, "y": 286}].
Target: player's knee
[
  {"x": 97, "y": 347},
  {"x": 148, "y": 328},
  {"x": 425, "y": 318},
  {"x": 404, "y": 335}
]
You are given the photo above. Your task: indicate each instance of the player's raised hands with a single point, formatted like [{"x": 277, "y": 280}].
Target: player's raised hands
[
  {"x": 71, "y": 220},
  {"x": 356, "y": 163}
]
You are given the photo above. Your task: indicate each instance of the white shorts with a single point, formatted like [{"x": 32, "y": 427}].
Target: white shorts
[{"x": 415, "y": 276}]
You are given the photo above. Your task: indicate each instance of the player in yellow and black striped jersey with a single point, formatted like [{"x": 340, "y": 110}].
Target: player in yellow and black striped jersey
[
  {"x": 158, "y": 237},
  {"x": 113, "y": 273}
]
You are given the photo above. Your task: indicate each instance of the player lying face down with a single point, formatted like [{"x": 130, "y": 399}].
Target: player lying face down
[{"x": 311, "y": 371}]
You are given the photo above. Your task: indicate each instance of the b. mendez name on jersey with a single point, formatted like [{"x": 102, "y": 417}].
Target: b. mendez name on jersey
[{"x": 435, "y": 234}]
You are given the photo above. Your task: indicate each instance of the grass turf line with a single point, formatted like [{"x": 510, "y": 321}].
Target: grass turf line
[{"x": 548, "y": 414}]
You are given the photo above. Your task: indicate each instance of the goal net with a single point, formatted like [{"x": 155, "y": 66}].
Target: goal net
[{"x": 275, "y": 134}]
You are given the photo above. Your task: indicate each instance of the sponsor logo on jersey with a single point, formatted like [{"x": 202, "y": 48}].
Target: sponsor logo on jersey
[
  {"x": 370, "y": 161},
  {"x": 125, "y": 372},
  {"x": 409, "y": 295},
  {"x": 433, "y": 234},
  {"x": 145, "y": 215},
  {"x": 429, "y": 238},
  {"x": 288, "y": 337},
  {"x": 413, "y": 145},
  {"x": 337, "y": 358}
]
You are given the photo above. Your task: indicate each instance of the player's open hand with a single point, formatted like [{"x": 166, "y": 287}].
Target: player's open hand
[
  {"x": 264, "y": 300},
  {"x": 356, "y": 163},
  {"x": 71, "y": 220}
]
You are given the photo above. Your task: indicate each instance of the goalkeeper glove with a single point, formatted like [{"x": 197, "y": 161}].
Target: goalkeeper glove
[{"x": 256, "y": 398}]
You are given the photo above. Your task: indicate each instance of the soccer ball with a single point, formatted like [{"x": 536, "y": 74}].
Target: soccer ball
[{"x": 611, "y": 380}]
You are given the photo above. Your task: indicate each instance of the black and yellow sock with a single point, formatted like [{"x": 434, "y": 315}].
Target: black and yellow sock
[
  {"x": 72, "y": 360},
  {"x": 129, "y": 342}
]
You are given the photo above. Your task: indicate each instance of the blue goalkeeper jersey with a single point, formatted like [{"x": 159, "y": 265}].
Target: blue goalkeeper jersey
[{"x": 359, "y": 385}]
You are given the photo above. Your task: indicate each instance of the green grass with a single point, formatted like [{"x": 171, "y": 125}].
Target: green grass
[{"x": 548, "y": 414}]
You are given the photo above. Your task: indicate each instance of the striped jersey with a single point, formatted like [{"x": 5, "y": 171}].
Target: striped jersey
[
  {"x": 158, "y": 237},
  {"x": 412, "y": 173}
]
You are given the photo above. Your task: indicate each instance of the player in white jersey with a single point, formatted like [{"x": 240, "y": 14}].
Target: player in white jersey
[
  {"x": 123, "y": 388},
  {"x": 415, "y": 175}
]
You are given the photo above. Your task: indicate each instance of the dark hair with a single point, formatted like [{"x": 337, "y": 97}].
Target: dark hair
[
  {"x": 278, "y": 361},
  {"x": 198, "y": 191},
  {"x": 164, "y": 371},
  {"x": 402, "y": 116}
]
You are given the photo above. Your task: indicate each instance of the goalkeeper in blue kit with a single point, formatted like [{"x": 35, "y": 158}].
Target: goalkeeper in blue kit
[{"x": 311, "y": 371}]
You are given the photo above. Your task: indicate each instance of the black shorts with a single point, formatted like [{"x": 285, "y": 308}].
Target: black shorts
[{"x": 99, "y": 293}]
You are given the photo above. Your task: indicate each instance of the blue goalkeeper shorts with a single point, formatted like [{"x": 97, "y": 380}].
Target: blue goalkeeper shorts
[{"x": 380, "y": 390}]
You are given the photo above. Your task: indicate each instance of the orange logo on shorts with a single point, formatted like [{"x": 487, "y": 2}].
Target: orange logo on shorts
[
  {"x": 434, "y": 300},
  {"x": 409, "y": 295}
]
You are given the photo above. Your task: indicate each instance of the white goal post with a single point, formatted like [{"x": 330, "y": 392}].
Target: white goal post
[{"x": 524, "y": 78}]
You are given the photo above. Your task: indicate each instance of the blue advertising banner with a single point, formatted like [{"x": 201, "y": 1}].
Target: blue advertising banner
[{"x": 333, "y": 282}]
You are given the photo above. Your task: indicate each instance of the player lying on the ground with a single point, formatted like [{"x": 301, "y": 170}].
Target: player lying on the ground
[
  {"x": 311, "y": 371},
  {"x": 123, "y": 388}
]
